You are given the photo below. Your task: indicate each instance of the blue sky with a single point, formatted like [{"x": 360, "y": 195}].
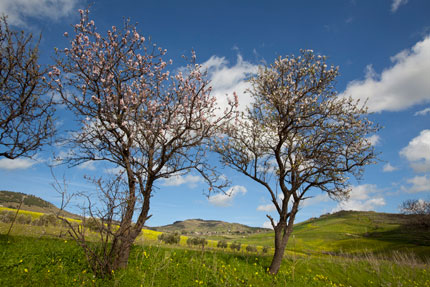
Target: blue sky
[{"x": 382, "y": 48}]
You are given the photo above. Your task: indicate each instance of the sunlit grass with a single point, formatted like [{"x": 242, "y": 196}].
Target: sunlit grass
[
  {"x": 52, "y": 262},
  {"x": 324, "y": 252}
]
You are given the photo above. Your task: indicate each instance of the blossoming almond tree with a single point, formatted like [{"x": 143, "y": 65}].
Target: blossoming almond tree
[
  {"x": 298, "y": 135},
  {"x": 134, "y": 114}
]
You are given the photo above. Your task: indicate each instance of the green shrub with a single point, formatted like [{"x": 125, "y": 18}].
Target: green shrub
[
  {"x": 24, "y": 218},
  {"x": 46, "y": 219},
  {"x": 251, "y": 248},
  {"x": 222, "y": 244},
  {"x": 7, "y": 216},
  {"x": 169, "y": 238},
  {"x": 235, "y": 246},
  {"x": 197, "y": 241}
]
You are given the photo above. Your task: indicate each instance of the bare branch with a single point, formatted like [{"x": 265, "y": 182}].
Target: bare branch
[{"x": 26, "y": 117}]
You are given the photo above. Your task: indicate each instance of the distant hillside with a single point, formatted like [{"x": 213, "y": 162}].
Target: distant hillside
[
  {"x": 353, "y": 232},
  {"x": 30, "y": 202},
  {"x": 208, "y": 227}
]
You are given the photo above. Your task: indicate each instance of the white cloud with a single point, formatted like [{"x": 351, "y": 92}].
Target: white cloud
[
  {"x": 176, "y": 180},
  {"x": 417, "y": 152},
  {"x": 267, "y": 224},
  {"x": 422, "y": 112},
  {"x": 396, "y": 4},
  {"x": 418, "y": 184},
  {"x": 315, "y": 200},
  {"x": 114, "y": 170},
  {"x": 266, "y": 207},
  {"x": 89, "y": 165},
  {"x": 389, "y": 168},
  {"x": 401, "y": 86},
  {"x": 18, "y": 10},
  {"x": 362, "y": 197},
  {"x": 374, "y": 140},
  {"x": 307, "y": 202},
  {"x": 226, "y": 79},
  {"x": 19, "y": 163},
  {"x": 225, "y": 199}
]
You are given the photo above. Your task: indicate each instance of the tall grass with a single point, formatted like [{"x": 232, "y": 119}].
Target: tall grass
[{"x": 26, "y": 261}]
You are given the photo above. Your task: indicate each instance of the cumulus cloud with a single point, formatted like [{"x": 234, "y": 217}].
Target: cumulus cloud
[
  {"x": 417, "y": 152},
  {"x": 389, "y": 168},
  {"x": 267, "y": 224},
  {"x": 398, "y": 87},
  {"x": 423, "y": 112},
  {"x": 362, "y": 197},
  {"x": 221, "y": 199},
  {"x": 88, "y": 165},
  {"x": 266, "y": 207},
  {"x": 19, "y": 163},
  {"x": 226, "y": 79},
  {"x": 418, "y": 184},
  {"x": 374, "y": 140},
  {"x": 315, "y": 200},
  {"x": 396, "y": 4},
  {"x": 176, "y": 180},
  {"x": 18, "y": 10}
]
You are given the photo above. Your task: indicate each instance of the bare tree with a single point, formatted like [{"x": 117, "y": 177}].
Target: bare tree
[
  {"x": 415, "y": 206},
  {"x": 297, "y": 136},
  {"x": 102, "y": 213},
  {"x": 135, "y": 115},
  {"x": 419, "y": 211},
  {"x": 26, "y": 109}
]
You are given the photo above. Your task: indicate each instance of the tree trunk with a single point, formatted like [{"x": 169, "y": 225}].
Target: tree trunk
[
  {"x": 281, "y": 240},
  {"x": 122, "y": 253}
]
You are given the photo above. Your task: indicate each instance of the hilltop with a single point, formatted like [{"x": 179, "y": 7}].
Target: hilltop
[
  {"x": 208, "y": 227},
  {"x": 30, "y": 202}
]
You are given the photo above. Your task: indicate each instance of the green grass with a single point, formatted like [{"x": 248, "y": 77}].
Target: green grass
[
  {"x": 351, "y": 233},
  {"x": 344, "y": 249},
  {"x": 26, "y": 261}
]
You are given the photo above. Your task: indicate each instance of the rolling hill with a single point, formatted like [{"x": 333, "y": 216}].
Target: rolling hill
[
  {"x": 344, "y": 232},
  {"x": 208, "y": 227},
  {"x": 353, "y": 232},
  {"x": 30, "y": 202}
]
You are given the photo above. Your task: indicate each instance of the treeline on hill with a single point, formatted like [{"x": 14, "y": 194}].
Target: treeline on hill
[
  {"x": 8, "y": 197},
  {"x": 9, "y": 216}
]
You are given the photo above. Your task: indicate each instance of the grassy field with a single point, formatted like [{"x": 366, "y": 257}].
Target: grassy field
[
  {"x": 344, "y": 249},
  {"x": 44, "y": 261},
  {"x": 351, "y": 233}
]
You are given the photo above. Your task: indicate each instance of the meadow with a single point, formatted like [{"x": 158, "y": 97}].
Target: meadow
[
  {"x": 59, "y": 262},
  {"x": 36, "y": 255}
]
